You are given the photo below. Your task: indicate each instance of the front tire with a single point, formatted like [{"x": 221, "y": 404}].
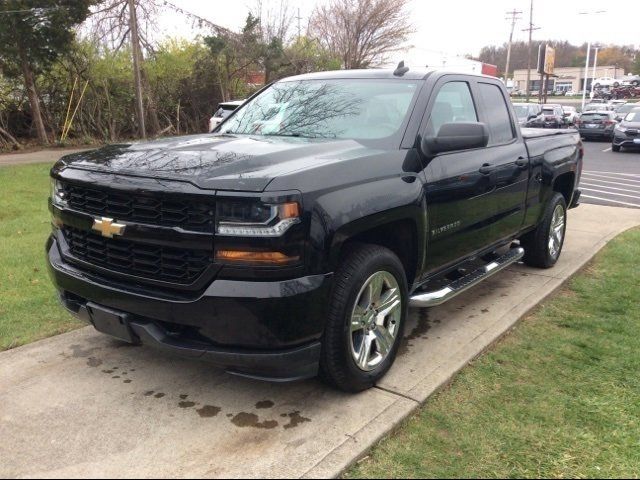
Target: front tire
[
  {"x": 615, "y": 148},
  {"x": 367, "y": 313},
  {"x": 543, "y": 246}
]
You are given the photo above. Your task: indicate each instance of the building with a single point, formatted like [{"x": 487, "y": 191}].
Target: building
[{"x": 565, "y": 78}]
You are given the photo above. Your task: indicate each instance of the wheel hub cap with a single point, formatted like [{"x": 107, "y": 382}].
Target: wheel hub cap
[
  {"x": 375, "y": 321},
  {"x": 557, "y": 230}
]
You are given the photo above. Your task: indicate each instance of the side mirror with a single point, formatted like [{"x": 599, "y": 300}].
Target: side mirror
[{"x": 456, "y": 136}]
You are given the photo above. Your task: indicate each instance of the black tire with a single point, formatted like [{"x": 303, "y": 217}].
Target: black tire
[
  {"x": 536, "y": 244},
  {"x": 337, "y": 365},
  {"x": 615, "y": 148}
]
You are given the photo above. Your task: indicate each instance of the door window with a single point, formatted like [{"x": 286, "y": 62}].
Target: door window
[
  {"x": 496, "y": 115},
  {"x": 453, "y": 104}
]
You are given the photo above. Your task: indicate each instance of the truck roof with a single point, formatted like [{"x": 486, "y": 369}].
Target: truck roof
[{"x": 412, "y": 74}]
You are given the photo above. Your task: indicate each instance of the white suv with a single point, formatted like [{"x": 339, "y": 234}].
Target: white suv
[{"x": 606, "y": 82}]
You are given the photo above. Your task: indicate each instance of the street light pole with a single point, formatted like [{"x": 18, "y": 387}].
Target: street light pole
[
  {"x": 595, "y": 65},
  {"x": 586, "y": 68},
  {"x": 586, "y": 77}
]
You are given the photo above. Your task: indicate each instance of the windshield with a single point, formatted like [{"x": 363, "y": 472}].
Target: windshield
[
  {"x": 337, "y": 109},
  {"x": 633, "y": 116},
  {"x": 595, "y": 116}
]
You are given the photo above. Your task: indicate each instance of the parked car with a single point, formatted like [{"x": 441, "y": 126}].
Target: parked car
[
  {"x": 553, "y": 116},
  {"x": 278, "y": 256},
  {"x": 632, "y": 80},
  {"x": 606, "y": 82},
  {"x": 570, "y": 114},
  {"x": 598, "y": 107},
  {"x": 224, "y": 110},
  {"x": 597, "y": 125},
  {"x": 623, "y": 110},
  {"x": 529, "y": 115},
  {"x": 627, "y": 132}
]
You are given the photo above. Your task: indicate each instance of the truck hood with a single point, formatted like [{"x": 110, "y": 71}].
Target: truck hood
[{"x": 218, "y": 162}]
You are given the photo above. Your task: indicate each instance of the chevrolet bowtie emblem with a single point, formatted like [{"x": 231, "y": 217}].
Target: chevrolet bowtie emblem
[{"x": 107, "y": 227}]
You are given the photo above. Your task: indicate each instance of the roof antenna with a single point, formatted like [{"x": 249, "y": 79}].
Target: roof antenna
[{"x": 401, "y": 70}]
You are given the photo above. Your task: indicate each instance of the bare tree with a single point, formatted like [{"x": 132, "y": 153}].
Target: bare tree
[
  {"x": 115, "y": 22},
  {"x": 362, "y": 32}
]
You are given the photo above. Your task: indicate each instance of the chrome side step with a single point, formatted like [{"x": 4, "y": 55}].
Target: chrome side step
[{"x": 438, "y": 297}]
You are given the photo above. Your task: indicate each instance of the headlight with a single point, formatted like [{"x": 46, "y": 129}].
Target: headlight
[
  {"x": 242, "y": 218},
  {"x": 58, "y": 195}
]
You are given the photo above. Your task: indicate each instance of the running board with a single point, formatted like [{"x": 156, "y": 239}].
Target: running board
[{"x": 438, "y": 297}]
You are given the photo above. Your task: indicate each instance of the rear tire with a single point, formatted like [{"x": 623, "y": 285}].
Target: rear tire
[
  {"x": 615, "y": 148},
  {"x": 543, "y": 246},
  {"x": 360, "y": 342}
]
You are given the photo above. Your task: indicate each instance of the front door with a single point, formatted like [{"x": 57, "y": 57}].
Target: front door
[{"x": 458, "y": 191}]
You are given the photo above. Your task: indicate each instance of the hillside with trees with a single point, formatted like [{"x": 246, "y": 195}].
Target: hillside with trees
[{"x": 567, "y": 55}]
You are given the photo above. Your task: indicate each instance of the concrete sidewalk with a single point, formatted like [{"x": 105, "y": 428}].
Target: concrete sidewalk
[
  {"x": 40, "y": 156},
  {"x": 82, "y": 405}
]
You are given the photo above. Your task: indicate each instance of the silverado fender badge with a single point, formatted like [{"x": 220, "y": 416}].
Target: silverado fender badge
[{"x": 107, "y": 227}]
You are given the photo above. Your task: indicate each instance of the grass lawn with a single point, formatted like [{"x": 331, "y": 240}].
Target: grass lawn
[
  {"x": 29, "y": 308},
  {"x": 559, "y": 397}
]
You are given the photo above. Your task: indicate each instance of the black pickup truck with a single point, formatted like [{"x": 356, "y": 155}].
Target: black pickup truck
[{"x": 293, "y": 240}]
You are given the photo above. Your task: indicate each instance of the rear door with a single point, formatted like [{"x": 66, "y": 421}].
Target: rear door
[{"x": 508, "y": 158}]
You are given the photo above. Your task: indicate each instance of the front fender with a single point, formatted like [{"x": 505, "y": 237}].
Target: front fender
[{"x": 341, "y": 215}]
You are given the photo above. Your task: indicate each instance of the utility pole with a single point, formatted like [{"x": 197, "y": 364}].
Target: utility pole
[
  {"x": 530, "y": 30},
  {"x": 514, "y": 16},
  {"x": 299, "y": 18},
  {"x": 135, "y": 47}
]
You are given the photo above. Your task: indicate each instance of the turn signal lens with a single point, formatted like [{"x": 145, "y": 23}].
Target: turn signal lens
[
  {"x": 263, "y": 258},
  {"x": 289, "y": 210}
]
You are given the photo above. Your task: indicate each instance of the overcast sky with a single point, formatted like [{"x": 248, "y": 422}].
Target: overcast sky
[{"x": 456, "y": 27}]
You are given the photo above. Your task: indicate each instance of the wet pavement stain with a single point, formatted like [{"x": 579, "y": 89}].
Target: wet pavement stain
[
  {"x": 109, "y": 372},
  {"x": 184, "y": 397},
  {"x": 94, "y": 362},
  {"x": 116, "y": 377},
  {"x": 251, "y": 420},
  {"x": 295, "y": 419},
  {"x": 159, "y": 395},
  {"x": 78, "y": 352},
  {"x": 186, "y": 404},
  {"x": 419, "y": 331},
  {"x": 264, "y": 405},
  {"x": 209, "y": 411},
  {"x": 485, "y": 310},
  {"x": 149, "y": 393},
  {"x": 127, "y": 381},
  {"x": 229, "y": 415}
]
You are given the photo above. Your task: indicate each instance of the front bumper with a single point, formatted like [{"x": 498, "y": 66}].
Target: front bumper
[
  {"x": 626, "y": 142},
  {"x": 267, "y": 330}
]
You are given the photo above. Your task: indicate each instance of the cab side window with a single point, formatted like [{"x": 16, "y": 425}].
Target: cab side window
[
  {"x": 454, "y": 103},
  {"x": 496, "y": 113}
]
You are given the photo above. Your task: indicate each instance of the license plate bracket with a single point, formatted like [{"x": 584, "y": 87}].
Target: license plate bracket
[{"x": 111, "y": 322}]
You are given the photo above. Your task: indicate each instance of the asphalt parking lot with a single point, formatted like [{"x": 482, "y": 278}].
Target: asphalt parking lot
[{"x": 610, "y": 178}]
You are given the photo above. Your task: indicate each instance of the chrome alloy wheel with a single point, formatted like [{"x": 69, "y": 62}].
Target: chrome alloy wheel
[
  {"x": 375, "y": 321},
  {"x": 557, "y": 230}
]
